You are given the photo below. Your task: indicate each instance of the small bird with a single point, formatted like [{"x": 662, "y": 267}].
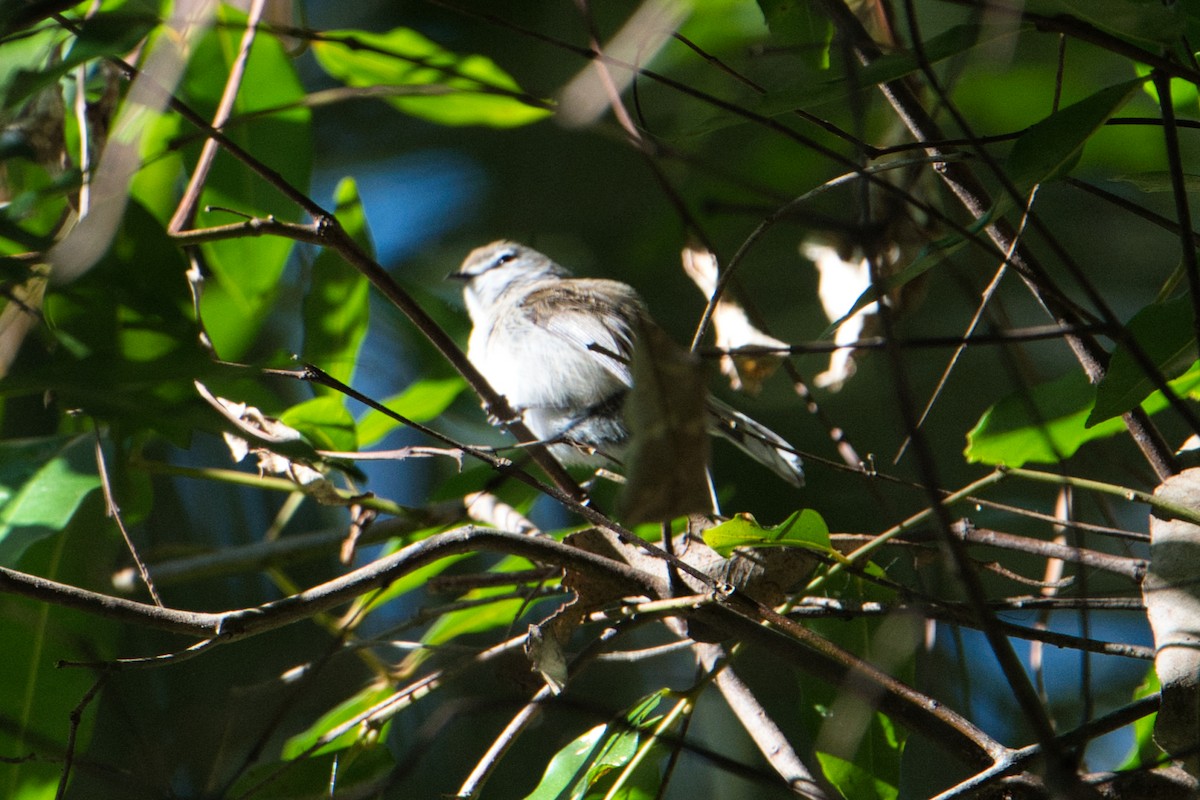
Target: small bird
[{"x": 559, "y": 349}]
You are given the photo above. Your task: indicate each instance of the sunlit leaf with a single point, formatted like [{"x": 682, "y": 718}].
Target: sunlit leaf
[
  {"x": 445, "y": 87},
  {"x": 1048, "y": 422},
  {"x": 420, "y": 402},
  {"x": 325, "y": 423},
  {"x": 854, "y": 781},
  {"x": 1144, "y": 752},
  {"x": 588, "y": 765},
  {"x": 343, "y": 712},
  {"x": 803, "y": 528},
  {"x": 1167, "y": 334},
  {"x": 42, "y": 484},
  {"x": 336, "y": 304}
]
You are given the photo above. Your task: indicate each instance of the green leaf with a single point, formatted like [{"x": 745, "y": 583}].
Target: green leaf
[
  {"x": 247, "y": 269},
  {"x": 420, "y": 402},
  {"x": 42, "y": 484},
  {"x": 1051, "y": 147},
  {"x": 344, "y": 711},
  {"x": 855, "y": 782},
  {"x": 590, "y": 763},
  {"x": 105, "y": 34},
  {"x": 324, "y": 422},
  {"x": 1167, "y": 334},
  {"x": 443, "y": 87},
  {"x": 804, "y": 528},
  {"x": 1144, "y": 753},
  {"x": 799, "y": 24},
  {"x": 336, "y": 308},
  {"x": 1048, "y": 423}
]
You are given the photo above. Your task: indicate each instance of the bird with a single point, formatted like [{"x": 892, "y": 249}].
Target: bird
[{"x": 559, "y": 348}]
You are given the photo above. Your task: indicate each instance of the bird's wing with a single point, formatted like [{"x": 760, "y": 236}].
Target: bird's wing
[{"x": 600, "y": 317}]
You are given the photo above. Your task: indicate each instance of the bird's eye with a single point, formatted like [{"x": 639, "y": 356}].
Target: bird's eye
[{"x": 503, "y": 258}]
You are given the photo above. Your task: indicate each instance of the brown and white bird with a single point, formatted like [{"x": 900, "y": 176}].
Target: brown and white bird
[{"x": 559, "y": 349}]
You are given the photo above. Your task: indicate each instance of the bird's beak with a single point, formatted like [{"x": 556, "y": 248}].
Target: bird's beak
[{"x": 458, "y": 275}]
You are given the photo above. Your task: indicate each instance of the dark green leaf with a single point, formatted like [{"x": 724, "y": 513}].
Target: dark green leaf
[
  {"x": 335, "y": 306},
  {"x": 442, "y": 86},
  {"x": 1146, "y": 20},
  {"x": 800, "y": 24},
  {"x": 886, "y": 69},
  {"x": 1166, "y": 333},
  {"x": 803, "y": 528},
  {"x": 1049, "y": 148}
]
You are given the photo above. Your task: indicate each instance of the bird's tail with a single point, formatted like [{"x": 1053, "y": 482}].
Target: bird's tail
[{"x": 756, "y": 440}]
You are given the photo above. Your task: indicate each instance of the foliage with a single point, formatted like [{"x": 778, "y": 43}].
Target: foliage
[{"x": 222, "y": 235}]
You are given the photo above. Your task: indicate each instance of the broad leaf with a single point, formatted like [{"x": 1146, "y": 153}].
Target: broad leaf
[
  {"x": 443, "y": 86},
  {"x": 420, "y": 402},
  {"x": 325, "y": 423},
  {"x": 42, "y": 484},
  {"x": 854, "y": 781},
  {"x": 1048, "y": 423}
]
